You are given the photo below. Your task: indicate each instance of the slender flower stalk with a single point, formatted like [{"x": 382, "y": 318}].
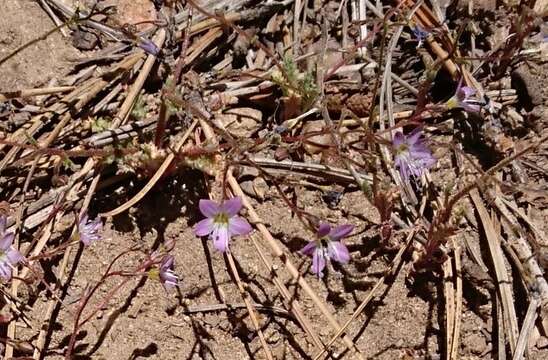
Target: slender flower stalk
[
  {"x": 328, "y": 246},
  {"x": 462, "y": 99},
  {"x": 89, "y": 231},
  {"x": 9, "y": 257},
  {"x": 167, "y": 276},
  {"x": 221, "y": 222},
  {"x": 412, "y": 156}
]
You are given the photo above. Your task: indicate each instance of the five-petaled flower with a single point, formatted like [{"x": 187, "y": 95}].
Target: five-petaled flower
[
  {"x": 222, "y": 221},
  {"x": 328, "y": 246},
  {"x": 462, "y": 99},
  {"x": 167, "y": 276},
  {"x": 9, "y": 257},
  {"x": 89, "y": 231},
  {"x": 412, "y": 156}
]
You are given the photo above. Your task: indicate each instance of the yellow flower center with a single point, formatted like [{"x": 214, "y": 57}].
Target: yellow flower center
[{"x": 221, "y": 218}]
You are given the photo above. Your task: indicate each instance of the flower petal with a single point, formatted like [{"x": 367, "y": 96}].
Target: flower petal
[
  {"x": 6, "y": 241},
  {"x": 220, "y": 238},
  {"x": 309, "y": 248},
  {"x": 14, "y": 256},
  {"x": 3, "y": 223},
  {"x": 323, "y": 230},
  {"x": 237, "y": 225},
  {"x": 232, "y": 206},
  {"x": 467, "y": 91},
  {"x": 208, "y": 208},
  {"x": 414, "y": 136},
  {"x": 470, "y": 107},
  {"x": 204, "y": 227},
  {"x": 398, "y": 139},
  {"x": 340, "y": 232},
  {"x": 338, "y": 252},
  {"x": 5, "y": 271},
  {"x": 318, "y": 262}
]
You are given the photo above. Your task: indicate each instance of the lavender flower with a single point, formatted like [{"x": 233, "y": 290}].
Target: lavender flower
[
  {"x": 9, "y": 257},
  {"x": 328, "y": 246},
  {"x": 221, "y": 222},
  {"x": 149, "y": 47},
  {"x": 412, "y": 155},
  {"x": 89, "y": 231},
  {"x": 461, "y": 99},
  {"x": 420, "y": 34},
  {"x": 167, "y": 276}
]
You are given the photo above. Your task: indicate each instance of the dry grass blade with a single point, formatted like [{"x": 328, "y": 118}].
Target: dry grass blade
[
  {"x": 501, "y": 273},
  {"x": 449, "y": 297},
  {"x": 527, "y": 327},
  {"x": 34, "y": 92},
  {"x": 455, "y": 342}
]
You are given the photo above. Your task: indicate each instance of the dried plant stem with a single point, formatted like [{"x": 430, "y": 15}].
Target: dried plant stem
[
  {"x": 527, "y": 327},
  {"x": 503, "y": 282},
  {"x": 250, "y": 309},
  {"x": 128, "y": 103},
  {"x": 34, "y": 92}
]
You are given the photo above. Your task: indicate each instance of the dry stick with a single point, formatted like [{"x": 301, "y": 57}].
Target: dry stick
[
  {"x": 34, "y": 92},
  {"x": 455, "y": 343},
  {"x": 292, "y": 304},
  {"x": 139, "y": 82},
  {"x": 503, "y": 282},
  {"x": 250, "y": 309},
  {"x": 277, "y": 250},
  {"x": 395, "y": 264},
  {"x": 527, "y": 327},
  {"x": 449, "y": 295},
  {"x": 87, "y": 90},
  {"x": 315, "y": 169}
]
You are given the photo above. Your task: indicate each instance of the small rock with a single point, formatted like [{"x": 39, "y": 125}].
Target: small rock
[
  {"x": 241, "y": 122},
  {"x": 84, "y": 40},
  {"x": 528, "y": 87},
  {"x": 313, "y": 144}
]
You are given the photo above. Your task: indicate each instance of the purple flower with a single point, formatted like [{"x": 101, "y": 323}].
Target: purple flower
[
  {"x": 420, "y": 34},
  {"x": 461, "y": 99},
  {"x": 149, "y": 47},
  {"x": 167, "y": 276},
  {"x": 222, "y": 221},
  {"x": 412, "y": 156},
  {"x": 328, "y": 246},
  {"x": 89, "y": 231},
  {"x": 9, "y": 257}
]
